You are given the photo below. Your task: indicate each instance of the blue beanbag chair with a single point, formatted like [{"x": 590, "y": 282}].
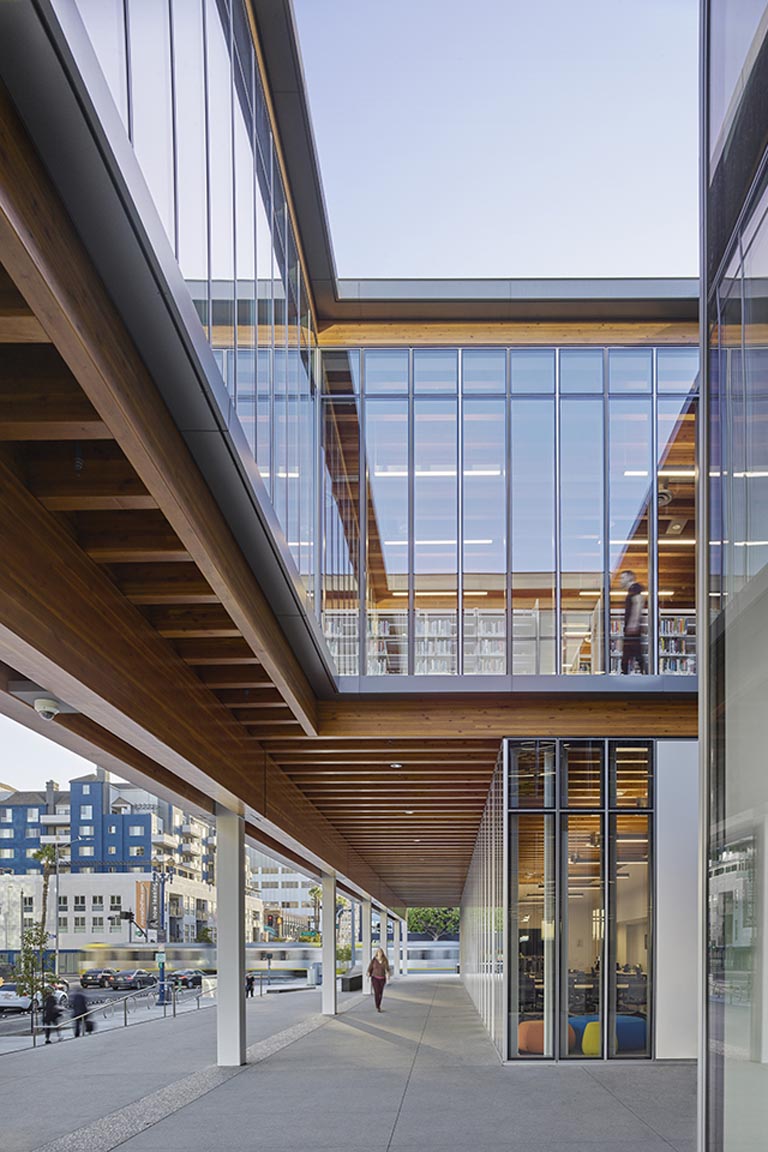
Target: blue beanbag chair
[{"x": 630, "y": 1032}]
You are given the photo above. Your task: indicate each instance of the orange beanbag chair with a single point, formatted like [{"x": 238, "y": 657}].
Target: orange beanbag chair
[{"x": 530, "y": 1037}]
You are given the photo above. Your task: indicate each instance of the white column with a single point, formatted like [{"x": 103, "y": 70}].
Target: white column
[
  {"x": 329, "y": 945},
  {"x": 365, "y": 911},
  {"x": 383, "y": 933},
  {"x": 404, "y": 968},
  {"x": 396, "y": 957},
  {"x": 230, "y": 938}
]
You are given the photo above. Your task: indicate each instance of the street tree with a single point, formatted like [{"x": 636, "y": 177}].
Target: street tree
[
  {"x": 45, "y": 855},
  {"x": 435, "y": 922},
  {"x": 316, "y": 896}
]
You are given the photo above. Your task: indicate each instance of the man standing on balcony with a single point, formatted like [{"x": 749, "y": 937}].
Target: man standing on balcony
[{"x": 632, "y": 651}]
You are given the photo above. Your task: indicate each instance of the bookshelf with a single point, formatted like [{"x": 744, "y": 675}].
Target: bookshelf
[
  {"x": 436, "y": 644},
  {"x": 677, "y": 643},
  {"x": 340, "y": 626},
  {"x": 387, "y": 643},
  {"x": 485, "y": 642}
]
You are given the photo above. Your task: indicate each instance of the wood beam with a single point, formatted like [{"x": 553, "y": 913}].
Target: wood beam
[
  {"x": 18, "y": 324},
  {"x": 261, "y": 696},
  {"x": 48, "y": 265},
  {"x": 200, "y": 621},
  {"x": 174, "y": 583},
  {"x": 91, "y": 477},
  {"x": 391, "y": 334},
  {"x": 40, "y": 398},
  {"x": 235, "y": 676},
  {"x": 458, "y": 717},
  {"x": 215, "y": 652},
  {"x": 128, "y": 537}
]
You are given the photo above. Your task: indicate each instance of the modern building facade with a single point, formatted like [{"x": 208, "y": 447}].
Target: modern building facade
[
  {"x": 331, "y": 546},
  {"x": 734, "y": 455}
]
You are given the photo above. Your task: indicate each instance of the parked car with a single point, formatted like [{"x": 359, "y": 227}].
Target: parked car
[
  {"x": 186, "y": 978},
  {"x": 12, "y": 1000},
  {"x": 98, "y": 978},
  {"x": 133, "y": 979}
]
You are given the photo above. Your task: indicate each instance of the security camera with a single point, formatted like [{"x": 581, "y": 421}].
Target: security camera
[{"x": 47, "y": 708}]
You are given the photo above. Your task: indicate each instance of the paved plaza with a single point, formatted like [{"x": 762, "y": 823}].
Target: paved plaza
[{"x": 421, "y": 1076}]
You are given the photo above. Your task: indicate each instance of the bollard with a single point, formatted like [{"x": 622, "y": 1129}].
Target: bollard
[
  {"x": 261, "y": 983},
  {"x": 125, "y": 1012},
  {"x": 173, "y": 1000}
]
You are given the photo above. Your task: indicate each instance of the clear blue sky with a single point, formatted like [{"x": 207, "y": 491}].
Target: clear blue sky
[{"x": 504, "y": 138}]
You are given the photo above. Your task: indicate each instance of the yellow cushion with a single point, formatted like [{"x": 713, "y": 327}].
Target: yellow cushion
[{"x": 591, "y": 1040}]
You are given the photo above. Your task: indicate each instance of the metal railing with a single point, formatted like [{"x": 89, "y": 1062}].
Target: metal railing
[{"x": 132, "y": 1008}]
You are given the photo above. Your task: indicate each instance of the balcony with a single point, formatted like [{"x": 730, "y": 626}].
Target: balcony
[
  {"x": 55, "y": 818},
  {"x": 192, "y": 830},
  {"x": 54, "y": 839},
  {"x": 191, "y": 850},
  {"x": 164, "y": 840}
]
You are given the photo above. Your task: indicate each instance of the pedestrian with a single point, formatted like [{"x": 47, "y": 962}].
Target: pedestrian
[
  {"x": 50, "y": 1015},
  {"x": 379, "y": 972},
  {"x": 632, "y": 651},
  {"x": 78, "y": 1006},
  {"x": 249, "y": 982}
]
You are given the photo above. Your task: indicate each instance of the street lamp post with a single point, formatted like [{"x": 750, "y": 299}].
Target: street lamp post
[{"x": 160, "y": 874}]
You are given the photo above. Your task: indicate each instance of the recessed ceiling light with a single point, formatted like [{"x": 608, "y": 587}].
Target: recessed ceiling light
[
  {"x": 409, "y": 811},
  {"x": 417, "y": 841},
  {"x": 396, "y": 765}
]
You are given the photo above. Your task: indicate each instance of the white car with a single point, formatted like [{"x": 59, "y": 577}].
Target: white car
[{"x": 11, "y": 1000}]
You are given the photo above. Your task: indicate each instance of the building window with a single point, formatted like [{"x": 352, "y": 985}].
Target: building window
[
  {"x": 28, "y": 903},
  {"x": 136, "y": 850},
  {"x": 97, "y": 923},
  {"x": 6, "y": 833},
  {"x": 33, "y": 833},
  {"x": 115, "y": 925},
  {"x": 81, "y": 870},
  {"x": 79, "y": 925},
  {"x": 28, "y": 922},
  {"x": 115, "y": 903},
  {"x": 86, "y": 850},
  {"x": 30, "y": 853},
  {"x": 33, "y": 815},
  {"x": 7, "y": 853},
  {"x": 63, "y": 903},
  {"x": 97, "y": 903},
  {"x": 86, "y": 789},
  {"x": 62, "y": 809},
  {"x": 111, "y": 850},
  {"x": 6, "y": 815},
  {"x": 112, "y": 829},
  {"x": 86, "y": 811},
  {"x": 79, "y": 902},
  {"x": 86, "y": 830},
  {"x": 136, "y": 869},
  {"x": 136, "y": 830},
  {"x": 63, "y": 924}
]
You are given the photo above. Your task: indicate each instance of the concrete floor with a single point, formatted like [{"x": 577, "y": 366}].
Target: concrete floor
[{"x": 421, "y": 1076}]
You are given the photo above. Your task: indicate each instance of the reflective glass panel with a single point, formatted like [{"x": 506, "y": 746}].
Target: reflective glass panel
[
  {"x": 629, "y": 369},
  {"x": 631, "y": 773},
  {"x": 105, "y": 23},
  {"x": 581, "y": 773},
  {"x": 630, "y": 484},
  {"x": 581, "y": 370},
  {"x": 387, "y": 534},
  {"x": 435, "y": 370},
  {"x": 386, "y": 372},
  {"x": 221, "y": 172},
  {"x": 192, "y": 179},
  {"x": 533, "y": 536},
  {"x": 340, "y": 373},
  {"x": 483, "y": 370},
  {"x": 532, "y": 921},
  {"x": 677, "y": 535},
  {"x": 677, "y": 369},
  {"x": 629, "y": 952},
  {"x": 583, "y": 933},
  {"x": 151, "y": 120},
  {"x": 532, "y": 371},
  {"x": 582, "y": 531},
  {"x": 532, "y": 772},
  {"x": 484, "y": 540},
  {"x": 435, "y": 501},
  {"x": 341, "y": 542}
]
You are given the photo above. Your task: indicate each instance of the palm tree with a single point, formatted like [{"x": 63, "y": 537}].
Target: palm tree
[
  {"x": 316, "y": 896},
  {"x": 46, "y": 855}
]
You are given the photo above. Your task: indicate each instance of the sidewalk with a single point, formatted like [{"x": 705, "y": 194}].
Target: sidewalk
[{"x": 421, "y": 1076}]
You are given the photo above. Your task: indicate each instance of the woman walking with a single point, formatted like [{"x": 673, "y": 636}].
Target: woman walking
[{"x": 379, "y": 972}]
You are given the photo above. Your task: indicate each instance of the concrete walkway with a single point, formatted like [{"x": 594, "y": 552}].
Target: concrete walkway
[{"x": 421, "y": 1076}]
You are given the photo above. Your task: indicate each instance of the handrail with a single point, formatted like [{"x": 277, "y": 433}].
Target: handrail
[{"x": 172, "y": 998}]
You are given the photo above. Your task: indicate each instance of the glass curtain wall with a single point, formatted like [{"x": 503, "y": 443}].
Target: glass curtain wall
[
  {"x": 482, "y": 943},
  {"x": 185, "y": 80},
  {"x": 580, "y": 847},
  {"x": 520, "y": 506},
  {"x": 735, "y": 575}
]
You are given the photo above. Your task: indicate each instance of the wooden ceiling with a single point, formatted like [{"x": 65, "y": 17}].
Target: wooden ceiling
[{"x": 123, "y": 592}]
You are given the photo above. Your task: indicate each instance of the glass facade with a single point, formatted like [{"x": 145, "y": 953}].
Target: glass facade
[
  {"x": 503, "y": 493},
  {"x": 580, "y": 837},
  {"x": 185, "y": 80},
  {"x": 735, "y": 576}
]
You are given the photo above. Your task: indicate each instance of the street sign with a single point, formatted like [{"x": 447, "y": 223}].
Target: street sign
[{"x": 159, "y": 957}]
